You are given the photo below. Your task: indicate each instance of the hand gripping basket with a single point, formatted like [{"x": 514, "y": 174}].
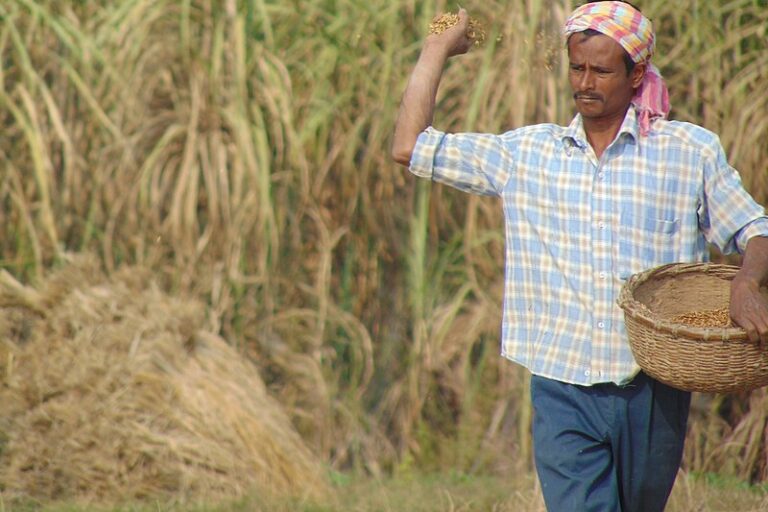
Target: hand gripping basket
[{"x": 704, "y": 359}]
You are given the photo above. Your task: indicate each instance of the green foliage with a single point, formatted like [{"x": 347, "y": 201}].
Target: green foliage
[{"x": 721, "y": 481}]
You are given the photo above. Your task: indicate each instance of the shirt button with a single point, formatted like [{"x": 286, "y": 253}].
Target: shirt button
[
  {"x": 587, "y": 373},
  {"x": 601, "y": 225},
  {"x": 600, "y": 324},
  {"x": 602, "y": 275},
  {"x": 601, "y": 176}
]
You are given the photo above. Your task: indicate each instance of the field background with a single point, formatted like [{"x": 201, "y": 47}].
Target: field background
[{"x": 239, "y": 152}]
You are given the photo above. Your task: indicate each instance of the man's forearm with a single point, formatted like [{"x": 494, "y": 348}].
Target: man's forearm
[
  {"x": 754, "y": 266},
  {"x": 749, "y": 307},
  {"x": 418, "y": 104}
]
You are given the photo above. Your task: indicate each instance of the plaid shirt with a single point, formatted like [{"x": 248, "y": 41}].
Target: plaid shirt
[{"x": 577, "y": 227}]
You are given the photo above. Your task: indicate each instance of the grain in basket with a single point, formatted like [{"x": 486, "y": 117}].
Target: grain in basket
[{"x": 705, "y": 318}]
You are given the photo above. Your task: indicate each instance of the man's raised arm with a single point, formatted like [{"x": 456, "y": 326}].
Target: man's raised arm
[{"x": 418, "y": 104}]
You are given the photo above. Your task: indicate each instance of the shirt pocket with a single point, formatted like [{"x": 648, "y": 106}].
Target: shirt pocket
[{"x": 646, "y": 242}]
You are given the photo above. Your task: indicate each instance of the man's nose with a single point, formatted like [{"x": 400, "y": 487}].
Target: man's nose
[{"x": 587, "y": 81}]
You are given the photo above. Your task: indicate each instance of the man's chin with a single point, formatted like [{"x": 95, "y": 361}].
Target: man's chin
[{"x": 588, "y": 111}]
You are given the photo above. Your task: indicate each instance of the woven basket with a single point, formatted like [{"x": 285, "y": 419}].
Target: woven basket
[{"x": 709, "y": 360}]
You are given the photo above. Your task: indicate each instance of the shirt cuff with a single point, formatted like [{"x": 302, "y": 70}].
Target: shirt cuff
[
  {"x": 758, "y": 227},
  {"x": 423, "y": 156}
]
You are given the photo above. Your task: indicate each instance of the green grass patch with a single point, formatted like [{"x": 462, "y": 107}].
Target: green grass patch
[{"x": 449, "y": 491}]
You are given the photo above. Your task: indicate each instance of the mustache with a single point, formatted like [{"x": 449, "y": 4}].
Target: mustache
[{"x": 587, "y": 96}]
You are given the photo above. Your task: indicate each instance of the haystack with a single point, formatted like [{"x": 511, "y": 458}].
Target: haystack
[{"x": 111, "y": 390}]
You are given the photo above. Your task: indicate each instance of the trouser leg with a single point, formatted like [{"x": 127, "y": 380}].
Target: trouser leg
[
  {"x": 606, "y": 447},
  {"x": 573, "y": 457},
  {"x": 649, "y": 446}
]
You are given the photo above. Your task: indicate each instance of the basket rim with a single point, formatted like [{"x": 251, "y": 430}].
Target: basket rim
[{"x": 639, "y": 312}]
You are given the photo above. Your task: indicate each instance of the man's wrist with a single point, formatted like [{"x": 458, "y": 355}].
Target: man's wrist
[
  {"x": 748, "y": 279},
  {"x": 434, "y": 51}
]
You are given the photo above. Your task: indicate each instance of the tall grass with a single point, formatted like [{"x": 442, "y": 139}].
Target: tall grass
[{"x": 240, "y": 149}]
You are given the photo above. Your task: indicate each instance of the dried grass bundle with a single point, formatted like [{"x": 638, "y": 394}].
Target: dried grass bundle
[{"x": 111, "y": 390}]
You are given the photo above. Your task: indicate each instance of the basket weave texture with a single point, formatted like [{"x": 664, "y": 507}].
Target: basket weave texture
[{"x": 704, "y": 359}]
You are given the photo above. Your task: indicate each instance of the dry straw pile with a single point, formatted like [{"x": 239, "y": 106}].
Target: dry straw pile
[{"x": 111, "y": 390}]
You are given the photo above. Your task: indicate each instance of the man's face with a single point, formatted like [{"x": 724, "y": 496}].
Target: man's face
[{"x": 598, "y": 75}]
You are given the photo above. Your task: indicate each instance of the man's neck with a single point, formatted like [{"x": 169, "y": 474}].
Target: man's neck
[{"x": 601, "y": 132}]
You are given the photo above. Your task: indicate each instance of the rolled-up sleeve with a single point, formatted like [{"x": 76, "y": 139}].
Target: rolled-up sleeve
[
  {"x": 472, "y": 162},
  {"x": 758, "y": 227},
  {"x": 423, "y": 155}
]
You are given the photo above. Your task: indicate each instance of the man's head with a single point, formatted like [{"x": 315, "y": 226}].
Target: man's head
[
  {"x": 604, "y": 37},
  {"x": 636, "y": 18},
  {"x": 602, "y": 85}
]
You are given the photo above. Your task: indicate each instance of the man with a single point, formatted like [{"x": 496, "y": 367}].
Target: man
[{"x": 620, "y": 190}]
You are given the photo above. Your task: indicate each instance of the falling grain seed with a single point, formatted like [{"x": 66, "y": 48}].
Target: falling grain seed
[{"x": 441, "y": 23}]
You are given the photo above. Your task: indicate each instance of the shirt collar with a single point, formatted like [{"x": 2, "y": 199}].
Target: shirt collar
[{"x": 575, "y": 135}]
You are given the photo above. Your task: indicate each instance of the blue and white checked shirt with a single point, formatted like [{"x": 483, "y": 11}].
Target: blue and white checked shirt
[{"x": 577, "y": 227}]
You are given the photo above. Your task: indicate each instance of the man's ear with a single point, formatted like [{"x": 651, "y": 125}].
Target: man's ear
[{"x": 638, "y": 73}]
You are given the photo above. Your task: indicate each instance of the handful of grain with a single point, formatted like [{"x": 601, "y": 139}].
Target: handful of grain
[
  {"x": 708, "y": 318},
  {"x": 475, "y": 31}
]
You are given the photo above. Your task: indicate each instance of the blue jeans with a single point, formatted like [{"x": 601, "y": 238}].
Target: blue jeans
[{"x": 606, "y": 447}]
